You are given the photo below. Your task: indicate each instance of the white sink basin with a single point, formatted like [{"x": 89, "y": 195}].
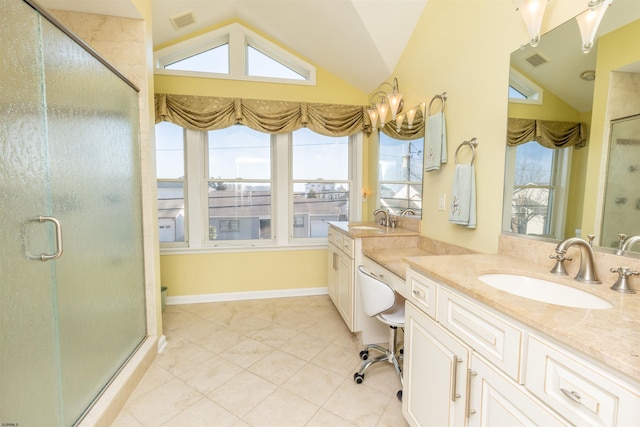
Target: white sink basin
[
  {"x": 544, "y": 291},
  {"x": 363, "y": 227}
]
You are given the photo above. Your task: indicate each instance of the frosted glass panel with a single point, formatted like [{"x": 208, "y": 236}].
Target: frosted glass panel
[
  {"x": 28, "y": 358},
  {"x": 96, "y": 196}
]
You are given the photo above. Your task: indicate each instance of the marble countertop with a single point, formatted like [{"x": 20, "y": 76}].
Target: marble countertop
[
  {"x": 371, "y": 229},
  {"x": 611, "y": 336},
  {"x": 393, "y": 259}
]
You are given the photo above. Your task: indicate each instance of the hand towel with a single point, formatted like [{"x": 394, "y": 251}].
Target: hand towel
[
  {"x": 435, "y": 142},
  {"x": 463, "y": 198}
]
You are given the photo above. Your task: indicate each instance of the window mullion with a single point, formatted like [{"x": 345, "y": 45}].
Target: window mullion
[
  {"x": 194, "y": 146},
  {"x": 355, "y": 175},
  {"x": 237, "y": 52},
  {"x": 282, "y": 206}
]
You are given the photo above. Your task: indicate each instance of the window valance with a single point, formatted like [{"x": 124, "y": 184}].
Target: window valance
[
  {"x": 550, "y": 134},
  {"x": 211, "y": 113}
]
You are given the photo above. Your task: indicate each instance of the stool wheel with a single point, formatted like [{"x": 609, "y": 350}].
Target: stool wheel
[
  {"x": 364, "y": 354},
  {"x": 399, "y": 395},
  {"x": 358, "y": 378}
]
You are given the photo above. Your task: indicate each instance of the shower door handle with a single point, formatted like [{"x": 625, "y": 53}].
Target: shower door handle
[{"x": 58, "y": 233}]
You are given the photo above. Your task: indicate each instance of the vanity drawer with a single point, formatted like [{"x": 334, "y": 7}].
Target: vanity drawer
[
  {"x": 348, "y": 245},
  {"x": 491, "y": 336},
  {"x": 422, "y": 292},
  {"x": 579, "y": 390},
  {"x": 335, "y": 237}
]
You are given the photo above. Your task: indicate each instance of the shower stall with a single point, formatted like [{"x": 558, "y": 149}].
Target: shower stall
[{"x": 72, "y": 298}]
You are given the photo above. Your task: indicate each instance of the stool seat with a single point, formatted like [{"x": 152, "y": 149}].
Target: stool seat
[{"x": 379, "y": 300}]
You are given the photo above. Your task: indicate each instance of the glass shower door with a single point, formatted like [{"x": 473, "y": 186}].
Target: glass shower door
[
  {"x": 96, "y": 195},
  {"x": 29, "y": 354},
  {"x": 68, "y": 149}
]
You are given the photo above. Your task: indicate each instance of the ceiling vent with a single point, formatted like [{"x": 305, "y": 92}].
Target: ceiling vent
[
  {"x": 536, "y": 59},
  {"x": 183, "y": 19}
]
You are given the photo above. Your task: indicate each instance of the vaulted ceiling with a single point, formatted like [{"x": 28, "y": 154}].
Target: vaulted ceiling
[{"x": 359, "y": 41}]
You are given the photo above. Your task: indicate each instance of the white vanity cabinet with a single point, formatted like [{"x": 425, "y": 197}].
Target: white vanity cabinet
[
  {"x": 435, "y": 373},
  {"x": 496, "y": 400},
  {"x": 341, "y": 276},
  {"x": 515, "y": 375},
  {"x": 345, "y": 255}
]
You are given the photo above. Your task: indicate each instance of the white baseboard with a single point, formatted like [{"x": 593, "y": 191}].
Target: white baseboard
[
  {"x": 240, "y": 296},
  {"x": 162, "y": 343}
]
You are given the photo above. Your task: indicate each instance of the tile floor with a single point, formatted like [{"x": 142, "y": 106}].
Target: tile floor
[{"x": 283, "y": 362}]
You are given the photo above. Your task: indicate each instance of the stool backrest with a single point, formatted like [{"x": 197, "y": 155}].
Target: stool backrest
[{"x": 375, "y": 295}]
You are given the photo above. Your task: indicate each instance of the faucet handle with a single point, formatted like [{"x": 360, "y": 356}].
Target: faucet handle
[
  {"x": 621, "y": 238},
  {"x": 622, "y": 284},
  {"x": 591, "y": 237},
  {"x": 560, "y": 258}
]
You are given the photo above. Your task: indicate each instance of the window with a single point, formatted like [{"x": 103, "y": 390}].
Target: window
[
  {"x": 321, "y": 182},
  {"x": 237, "y": 187},
  {"x": 400, "y": 166},
  {"x": 215, "y": 60},
  {"x": 523, "y": 90},
  {"x": 171, "y": 182},
  {"x": 239, "y": 184},
  {"x": 234, "y": 52},
  {"x": 536, "y": 183}
]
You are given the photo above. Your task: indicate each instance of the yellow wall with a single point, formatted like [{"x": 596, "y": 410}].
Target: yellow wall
[
  {"x": 614, "y": 50},
  {"x": 195, "y": 274},
  {"x": 459, "y": 46},
  {"x": 552, "y": 108}
]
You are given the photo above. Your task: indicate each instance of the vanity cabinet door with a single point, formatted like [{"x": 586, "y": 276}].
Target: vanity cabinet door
[
  {"x": 496, "y": 400},
  {"x": 345, "y": 289},
  {"x": 435, "y": 373},
  {"x": 332, "y": 272}
]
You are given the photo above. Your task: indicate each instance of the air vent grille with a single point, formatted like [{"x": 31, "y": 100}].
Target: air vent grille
[
  {"x": 536, "y": 59},
  {"x": 183, "y": 19}
]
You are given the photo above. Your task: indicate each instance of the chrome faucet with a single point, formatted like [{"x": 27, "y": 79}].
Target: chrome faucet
[
  {"x": 407, "y": 212},
  {"x": 630, "y": 243},
  {"x": 587, "y": 272},
  {"x": 385, "y": 220}
]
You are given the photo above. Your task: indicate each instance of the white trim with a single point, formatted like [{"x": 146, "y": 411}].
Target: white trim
[
  {"x": 183, "y": 250},
  {"x": 238, "y": 37},
  {"x": 525, "y": 86},
  {"x": 357, "y": 160},
  {"x": 162, "y": 343},
  {"x": 250, "y": 295}
]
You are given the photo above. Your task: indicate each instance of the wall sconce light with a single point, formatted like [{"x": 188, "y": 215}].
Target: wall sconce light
[
  {"x": 385, "y": 103},
  {"x": 532, "y": 12},
  {"x": 589, "y": 20}
]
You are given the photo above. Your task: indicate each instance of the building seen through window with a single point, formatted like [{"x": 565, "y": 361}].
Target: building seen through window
[{"x": 400, "y": 173}]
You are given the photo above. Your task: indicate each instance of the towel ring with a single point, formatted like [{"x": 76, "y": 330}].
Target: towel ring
[
  {"x": 472, "y": 143},
  {"x": 442, "y": 99}
]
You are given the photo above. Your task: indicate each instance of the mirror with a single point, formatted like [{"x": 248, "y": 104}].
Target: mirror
[
  {"x": 555, "y": 81},
  {"x": 400, "y": 162}
]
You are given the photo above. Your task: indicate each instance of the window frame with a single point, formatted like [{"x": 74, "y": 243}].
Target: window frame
[
  {"x": 238, "y": 37},
  {"x": 185, "y": 208},
  {"x": 355, "y": 199},
  {"x": 560, "y": 176},
  {"x": 380, "y": 181},
  {"x": 521, "y": 84},
  {"x": 196, "y": 220},
  {"x": 205, "y": 199}
]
